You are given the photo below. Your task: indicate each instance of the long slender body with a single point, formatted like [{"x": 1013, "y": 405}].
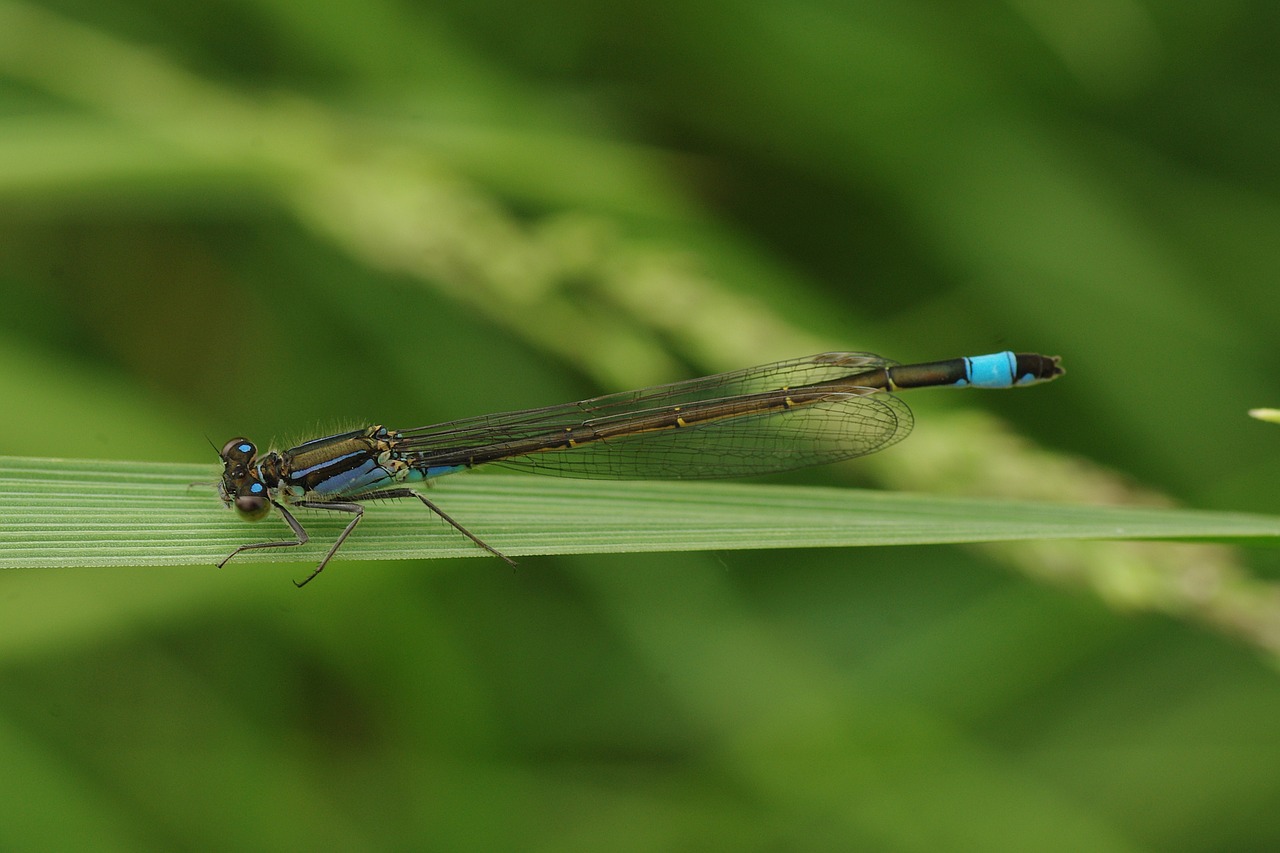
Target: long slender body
[{"x": 790, "y": 414}]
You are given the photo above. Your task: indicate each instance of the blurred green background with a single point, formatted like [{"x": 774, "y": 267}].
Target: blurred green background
[{"x": 271, "y": 218}]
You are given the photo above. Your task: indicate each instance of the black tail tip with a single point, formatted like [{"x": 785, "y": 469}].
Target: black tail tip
[{"x": 1039, "y": 368}]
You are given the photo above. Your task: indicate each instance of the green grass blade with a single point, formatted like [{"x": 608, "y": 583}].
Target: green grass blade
[{"x": 60, "y": 512}]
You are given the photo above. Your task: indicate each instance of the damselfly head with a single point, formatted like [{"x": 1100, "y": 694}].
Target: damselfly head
[{"x": 241, "y": 487}]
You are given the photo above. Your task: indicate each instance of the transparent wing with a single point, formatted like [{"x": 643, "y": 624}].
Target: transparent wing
[{"x": 752, "y": 421}]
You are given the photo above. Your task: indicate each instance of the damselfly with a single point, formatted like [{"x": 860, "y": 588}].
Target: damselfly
[{"x": 791, "y": 414}]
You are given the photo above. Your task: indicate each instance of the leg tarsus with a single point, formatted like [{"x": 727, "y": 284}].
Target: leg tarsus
[{"x": 464, "y": 531}]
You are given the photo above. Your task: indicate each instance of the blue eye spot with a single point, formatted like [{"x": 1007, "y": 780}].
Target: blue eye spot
[
  {"x": 245, "y": 448},
  {"x": 256, "y": 488}
]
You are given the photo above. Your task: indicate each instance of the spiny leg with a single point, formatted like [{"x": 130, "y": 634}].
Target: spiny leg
[
  {"x": 337, "y": 506},
  {"x": 302, "y": 537},
  {"x": 356, "y": 510},
  {"x": 410, "y": 493}
]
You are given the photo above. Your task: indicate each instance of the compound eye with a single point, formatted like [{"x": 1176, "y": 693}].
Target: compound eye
[
  {"x": 239, "y": 450},
  {"x": 252, "y": 507}
]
